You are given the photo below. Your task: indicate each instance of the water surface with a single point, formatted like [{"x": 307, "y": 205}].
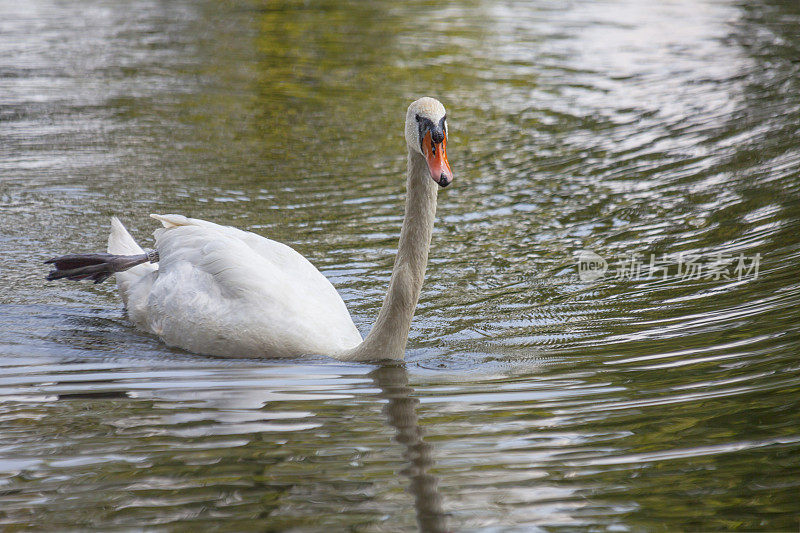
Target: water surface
[{"x": 531, "y": 397}]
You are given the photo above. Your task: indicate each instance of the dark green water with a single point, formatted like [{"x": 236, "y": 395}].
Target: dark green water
[{"x": 531, "y": 398}]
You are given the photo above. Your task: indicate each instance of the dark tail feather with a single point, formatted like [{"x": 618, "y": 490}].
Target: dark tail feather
[{"x": 96, "y": 267}]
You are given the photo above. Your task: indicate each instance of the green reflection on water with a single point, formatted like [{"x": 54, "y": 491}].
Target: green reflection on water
[{"x": 619, "y": 127}]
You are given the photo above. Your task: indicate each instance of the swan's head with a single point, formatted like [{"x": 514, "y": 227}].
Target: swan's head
[{"x": 426, "y": 134}]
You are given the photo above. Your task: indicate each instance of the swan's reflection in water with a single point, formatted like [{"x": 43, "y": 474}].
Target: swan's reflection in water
[
  {"x": 193, "y": 426},
  {"x": 401, "y": 413}
]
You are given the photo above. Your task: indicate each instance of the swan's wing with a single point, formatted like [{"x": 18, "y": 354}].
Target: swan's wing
[
  {"x": 279, "y": 254},
  {"x": 224, "y": 291}
]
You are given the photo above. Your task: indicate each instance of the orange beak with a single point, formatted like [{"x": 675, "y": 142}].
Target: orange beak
[{"x": 436, "y": 156}]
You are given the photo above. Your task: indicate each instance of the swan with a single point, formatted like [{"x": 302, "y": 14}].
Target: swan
[{"x": 217, "y": 290}]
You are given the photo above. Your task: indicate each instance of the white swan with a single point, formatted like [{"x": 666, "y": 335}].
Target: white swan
[{"x": 218, "y": 290}]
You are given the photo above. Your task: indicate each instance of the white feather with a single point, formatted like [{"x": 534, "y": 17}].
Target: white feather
[
  {"x": 120, "y": 242},
  {"x": 219, "y": 290}
]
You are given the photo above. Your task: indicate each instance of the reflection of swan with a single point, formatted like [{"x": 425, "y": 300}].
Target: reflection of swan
[
  {"x": 218, "y": 290},
  {"x": 402, "y": 415}
]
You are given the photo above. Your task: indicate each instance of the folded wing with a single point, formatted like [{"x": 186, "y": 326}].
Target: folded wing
[{"x": 223, "y": 291}]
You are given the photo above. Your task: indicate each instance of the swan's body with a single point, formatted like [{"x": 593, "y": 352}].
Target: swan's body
[{"x": 222, "y": 291}]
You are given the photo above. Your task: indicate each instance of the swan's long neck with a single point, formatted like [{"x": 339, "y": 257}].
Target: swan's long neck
[{"x": 387, "y": 339}]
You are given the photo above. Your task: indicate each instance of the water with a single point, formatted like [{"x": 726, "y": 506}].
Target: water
[{"x": 531, "y": 398}]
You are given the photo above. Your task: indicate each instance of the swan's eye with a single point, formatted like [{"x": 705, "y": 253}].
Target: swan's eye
[{"x": 424, "y": 125}]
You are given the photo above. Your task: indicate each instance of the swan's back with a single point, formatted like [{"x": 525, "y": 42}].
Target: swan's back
[{"x": 223, "y": 291}]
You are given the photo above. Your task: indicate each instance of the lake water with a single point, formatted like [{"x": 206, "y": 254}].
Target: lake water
[{"x": 532, "y": 397}]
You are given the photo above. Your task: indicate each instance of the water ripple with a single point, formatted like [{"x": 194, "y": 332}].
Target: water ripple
[{"x": 531, "y": 398}]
